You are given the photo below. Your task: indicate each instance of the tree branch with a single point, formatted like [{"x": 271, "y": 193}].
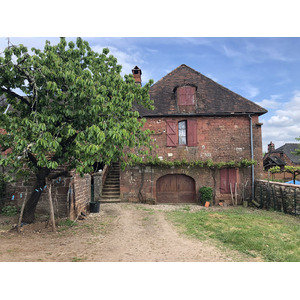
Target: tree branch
[
  {"x": 32, "y": 159},
  {"x": 10, "y": 92},
  {"x": 32, "y": 83}
]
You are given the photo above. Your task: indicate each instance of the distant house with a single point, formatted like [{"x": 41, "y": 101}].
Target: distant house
[
  {"x": 195, "y": 119},
  {"x": 284, "y": 155}
]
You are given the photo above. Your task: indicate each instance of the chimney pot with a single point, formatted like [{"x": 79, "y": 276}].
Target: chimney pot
[
  {"x": 137, "y": 72},
  {"x": 271, "y": 147}
]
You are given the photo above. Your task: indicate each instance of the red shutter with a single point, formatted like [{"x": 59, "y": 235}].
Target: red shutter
[
  {"x": 192, "y": 133},
  {"x": 232, "y": 178},
  {"x": 171, "y": 133},
  {"x": 224, "y": 185},
  {"x": 190, "y": 95},
  {"x": 186, "y": 95},
  {"x": 181, "y": 96},
  {"x": 227, "y": 177}
]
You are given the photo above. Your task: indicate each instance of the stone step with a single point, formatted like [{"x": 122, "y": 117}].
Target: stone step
[
  {"x": 110, "y": 193},
  {"x": 110, "y": 200},
  {"x": 109, "y": 183},
  {"x": 112, "y": 184},
  {"x": 104, "y": 197},
  {"x": 112, "y": 189},
  {"x": 113, "y": 177}
]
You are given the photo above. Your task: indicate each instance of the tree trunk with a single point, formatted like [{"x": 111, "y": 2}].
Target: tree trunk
[{"x": 29, "y": 210}]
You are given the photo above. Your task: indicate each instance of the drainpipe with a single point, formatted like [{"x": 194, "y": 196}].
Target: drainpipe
[{"x": 252, "y": 157}]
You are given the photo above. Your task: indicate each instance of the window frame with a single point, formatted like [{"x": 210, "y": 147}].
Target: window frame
[{"x": 185, "y": 129}]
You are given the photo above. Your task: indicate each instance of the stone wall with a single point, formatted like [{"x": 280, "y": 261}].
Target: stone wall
[
  {"x": 139, "y": 184},
  {"x": 278, "y": 196},
  {"x": 220, "y": 139}
]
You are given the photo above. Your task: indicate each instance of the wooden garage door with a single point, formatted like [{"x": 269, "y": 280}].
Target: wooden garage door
[{"x": 175, "y": 188}]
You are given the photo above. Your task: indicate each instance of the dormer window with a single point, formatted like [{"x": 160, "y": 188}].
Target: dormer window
[{"x": 186, "y": 95}]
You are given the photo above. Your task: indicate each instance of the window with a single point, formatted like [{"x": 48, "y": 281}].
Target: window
[
  {"x": 182, "y": 133},
  {"x": 186, "y": 95}
]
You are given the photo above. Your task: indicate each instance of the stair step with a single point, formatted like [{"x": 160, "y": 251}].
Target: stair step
[
  {"x": 107, "y": 194},
  {"x": 110, "y": 200},
  {"x": 110, "y": 197},
  {"x": 113, "y": 189}
]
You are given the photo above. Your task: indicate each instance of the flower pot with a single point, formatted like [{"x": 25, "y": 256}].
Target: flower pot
[{"x": 207, "y": 203}]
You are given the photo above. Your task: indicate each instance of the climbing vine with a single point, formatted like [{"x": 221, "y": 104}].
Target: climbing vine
[{"x": 196, "y": 163}]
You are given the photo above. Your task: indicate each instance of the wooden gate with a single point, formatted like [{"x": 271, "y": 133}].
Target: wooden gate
[{"x": 175, "y": 188}]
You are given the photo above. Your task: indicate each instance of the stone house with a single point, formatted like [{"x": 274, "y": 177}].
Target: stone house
[
  {"x": 282, "y": 156},
  {"x": 195, "y": 119}
]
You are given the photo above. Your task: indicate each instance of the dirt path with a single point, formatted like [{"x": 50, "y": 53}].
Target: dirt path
[{"x": 119, "y": 233}]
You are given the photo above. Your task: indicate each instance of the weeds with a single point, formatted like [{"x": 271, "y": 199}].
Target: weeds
[{"x": 9, "y": 210}]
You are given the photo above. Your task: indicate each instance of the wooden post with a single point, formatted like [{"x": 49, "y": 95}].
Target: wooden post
[
  {"x": 231, "y": 194},
  {"x": 52, "y": 217},
  {"x": 235, "y": 192},
  {"x": 21, "y": 215}
]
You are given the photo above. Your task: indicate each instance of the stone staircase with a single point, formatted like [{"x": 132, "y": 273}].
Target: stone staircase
[{"x": 111, "y": 187}]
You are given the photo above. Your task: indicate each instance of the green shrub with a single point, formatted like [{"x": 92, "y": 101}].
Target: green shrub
[
  {"x": 206, "y": 194},
  {"x": 9, "y": 210}
]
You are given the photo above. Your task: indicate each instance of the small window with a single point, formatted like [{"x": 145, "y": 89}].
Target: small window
[{"x": 182, "y": 133}]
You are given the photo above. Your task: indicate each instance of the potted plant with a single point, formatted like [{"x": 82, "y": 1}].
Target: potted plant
[{"x": 206, "y": 194}]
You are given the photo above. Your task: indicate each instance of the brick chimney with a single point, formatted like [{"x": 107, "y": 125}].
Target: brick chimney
[
  {"x": 137, "y": 72},
  {"x": 271, "y": 147}
]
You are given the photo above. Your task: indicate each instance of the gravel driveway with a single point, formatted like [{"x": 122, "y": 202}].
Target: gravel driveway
[{"x": 121, "y": 232}]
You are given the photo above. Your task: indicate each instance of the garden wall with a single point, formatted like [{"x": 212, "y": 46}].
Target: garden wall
[
  {"x": 70, "y": 194},
  {"x": 278, "y": 196}
]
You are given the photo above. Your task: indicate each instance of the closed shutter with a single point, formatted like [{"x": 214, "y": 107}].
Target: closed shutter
[
  {"x": 227, "y": 176},
  {"x": 224, "y": 185},
  {"x": 192, "y": 133},
  {"x": 186, "y": 95},
  {"x": 171, "y": 133}
]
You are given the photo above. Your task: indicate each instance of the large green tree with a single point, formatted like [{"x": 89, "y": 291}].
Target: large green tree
[{"x": 69, "y": 106}]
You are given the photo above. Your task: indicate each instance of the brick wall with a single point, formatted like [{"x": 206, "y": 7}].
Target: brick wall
[
  {"x": 66, "y": 203},
  {"x": 82, "y": 195},
  {"x": 218, "y": 138},
  {"x": 278, "y": 196},
  {"x": 221, "y": 139}
]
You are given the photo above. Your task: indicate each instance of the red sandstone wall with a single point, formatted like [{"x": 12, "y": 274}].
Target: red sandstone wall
[{"x": 218, "y": 138}]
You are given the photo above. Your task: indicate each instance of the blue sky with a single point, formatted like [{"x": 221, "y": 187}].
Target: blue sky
[{"x": 263, "y": 70}]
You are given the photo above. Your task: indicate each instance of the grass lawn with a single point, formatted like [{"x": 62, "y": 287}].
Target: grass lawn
[{"x": 270, "y": 235}]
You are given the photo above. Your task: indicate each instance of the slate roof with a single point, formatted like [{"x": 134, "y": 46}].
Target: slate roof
[
  {"x": 288, "y": 150},
  {"x": 272, "y": 161},
  {"x": 211, "y": 97}
]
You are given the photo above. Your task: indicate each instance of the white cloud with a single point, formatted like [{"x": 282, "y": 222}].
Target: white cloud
[
  {"x": 250, "y": 91},
  {"x": 283, "y": 127},
  {"x": 270, "y": 103},
  {"x": 128, "y": 59}
]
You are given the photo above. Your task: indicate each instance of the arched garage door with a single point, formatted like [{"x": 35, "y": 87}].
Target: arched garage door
[{"x": 175, "y": 188}]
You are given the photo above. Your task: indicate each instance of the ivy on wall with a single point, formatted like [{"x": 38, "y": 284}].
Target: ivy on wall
[{"x": 197, "y": 163}]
